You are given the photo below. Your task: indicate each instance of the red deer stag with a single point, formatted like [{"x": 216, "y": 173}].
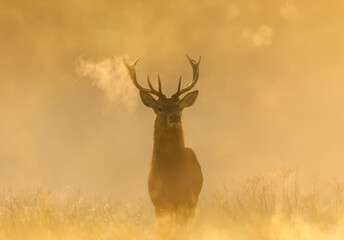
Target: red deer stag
[{"x": 175, "y": 178}]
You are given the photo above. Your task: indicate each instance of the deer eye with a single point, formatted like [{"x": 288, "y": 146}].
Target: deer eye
[{"x": 159, "y": 109}]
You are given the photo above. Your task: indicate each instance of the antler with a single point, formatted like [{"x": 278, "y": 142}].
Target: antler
[
  {"x": 132, "y": 73},
  {"x": 195, "y": 69}
]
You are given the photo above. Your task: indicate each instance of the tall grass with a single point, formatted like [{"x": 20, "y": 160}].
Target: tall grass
[{"x": 262, "y": 207}]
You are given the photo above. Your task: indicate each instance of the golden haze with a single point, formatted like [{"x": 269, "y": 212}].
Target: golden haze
[{"x": 271, "y": 90}]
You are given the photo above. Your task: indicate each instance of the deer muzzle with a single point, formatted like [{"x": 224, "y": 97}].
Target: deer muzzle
[{"x": 174, "y": 120}]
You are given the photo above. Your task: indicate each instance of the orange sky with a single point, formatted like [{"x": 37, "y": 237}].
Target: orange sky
[{"x": 271, "y": 89}]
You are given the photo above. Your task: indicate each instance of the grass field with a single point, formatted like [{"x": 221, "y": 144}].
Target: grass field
[{"x": 263, "y": 207}]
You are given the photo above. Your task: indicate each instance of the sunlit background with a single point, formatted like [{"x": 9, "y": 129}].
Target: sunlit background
[{"x": 271, "y": 90}]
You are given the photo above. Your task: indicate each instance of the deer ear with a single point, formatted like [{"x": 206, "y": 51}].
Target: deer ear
[
  {"x": 189, "y": 99},
  {"x": 147, "y": 99}
]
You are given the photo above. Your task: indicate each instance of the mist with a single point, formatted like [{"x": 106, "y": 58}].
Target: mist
[
  {"x": 110, "y": 76},
  {"x": 271, "y": 90}
]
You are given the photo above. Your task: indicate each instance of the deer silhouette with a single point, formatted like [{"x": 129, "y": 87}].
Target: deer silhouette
[{"x": 175, "y": 179}]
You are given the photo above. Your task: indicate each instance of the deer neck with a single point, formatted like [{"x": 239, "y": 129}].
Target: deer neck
[{"x": 168, "y": 143}]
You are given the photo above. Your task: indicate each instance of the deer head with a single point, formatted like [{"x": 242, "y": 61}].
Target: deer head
[{"x": 167, "y": 110}]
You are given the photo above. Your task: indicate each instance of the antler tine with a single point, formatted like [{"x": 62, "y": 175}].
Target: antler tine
[
  {"x": 195, "y": 70},
  {"x": 160, "y": 90},
  {"x": 195, "y": 67},
  {"x": 132, "y": 73},
  {"x": 180, "y": 83},
  {"x": 152, "y": 90}
]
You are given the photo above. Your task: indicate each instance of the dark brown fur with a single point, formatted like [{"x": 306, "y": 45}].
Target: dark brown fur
[{"x": 175, "y": 179}]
